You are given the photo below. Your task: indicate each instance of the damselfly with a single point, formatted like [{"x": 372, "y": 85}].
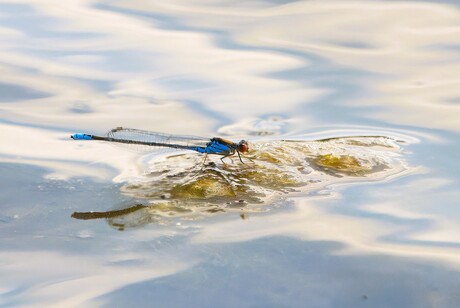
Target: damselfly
[{"x": 216, "y": 145}]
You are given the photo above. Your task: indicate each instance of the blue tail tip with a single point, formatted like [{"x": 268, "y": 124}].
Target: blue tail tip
[{"x": 80, "y": 136}]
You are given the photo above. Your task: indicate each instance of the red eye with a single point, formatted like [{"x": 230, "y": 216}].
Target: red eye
[{"x": 243, "y": 148}]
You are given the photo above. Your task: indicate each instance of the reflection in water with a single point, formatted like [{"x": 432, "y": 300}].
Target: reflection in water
[
  {"x": 179, "y": 186},
  {"x": 107, "y": 214}
]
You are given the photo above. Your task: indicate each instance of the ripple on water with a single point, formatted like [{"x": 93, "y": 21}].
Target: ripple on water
[{"x": 181, "y": 187}]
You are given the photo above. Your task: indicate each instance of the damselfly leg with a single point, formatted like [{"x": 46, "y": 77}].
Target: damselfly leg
[
  {"x": 239, "y": 155},
  {"x": 204, "y": 160},
  {"x": 222, "y": 158}
]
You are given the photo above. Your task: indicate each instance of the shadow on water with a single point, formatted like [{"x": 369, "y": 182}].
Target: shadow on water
[{"x": 181, "y": 187}]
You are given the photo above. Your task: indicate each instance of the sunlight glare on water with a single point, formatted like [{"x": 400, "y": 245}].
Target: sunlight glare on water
[{"x": 349, "y": 194}]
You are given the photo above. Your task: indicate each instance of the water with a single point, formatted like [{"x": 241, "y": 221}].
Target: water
[{"x": 367, "y": 218}]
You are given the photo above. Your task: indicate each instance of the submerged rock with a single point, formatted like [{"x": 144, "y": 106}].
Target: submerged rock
[
  {"x": 206, "y": 187},
  {"x": 343, "y": 164},
  {"x": 180, "y": 187}
]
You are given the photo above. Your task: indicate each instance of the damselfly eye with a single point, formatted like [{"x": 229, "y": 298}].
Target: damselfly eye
[{"x": 243, "y": 147}]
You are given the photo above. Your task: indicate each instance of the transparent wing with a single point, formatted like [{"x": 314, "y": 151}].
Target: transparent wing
[{"x": 159, "y": 141}]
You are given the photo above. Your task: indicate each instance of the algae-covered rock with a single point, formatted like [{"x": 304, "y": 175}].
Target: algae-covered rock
[
  {"x": 343, "y": 163},
  {"x": 207, "y": 187},
  {"x": 182, "y": 187},
  {"x": 272, "y": 179}
]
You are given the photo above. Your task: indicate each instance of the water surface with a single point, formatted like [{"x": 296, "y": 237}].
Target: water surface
[{"x": 362, "y": 210}]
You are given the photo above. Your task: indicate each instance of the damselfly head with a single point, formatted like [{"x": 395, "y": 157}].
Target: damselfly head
[{"x": 243, "y": 146}]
